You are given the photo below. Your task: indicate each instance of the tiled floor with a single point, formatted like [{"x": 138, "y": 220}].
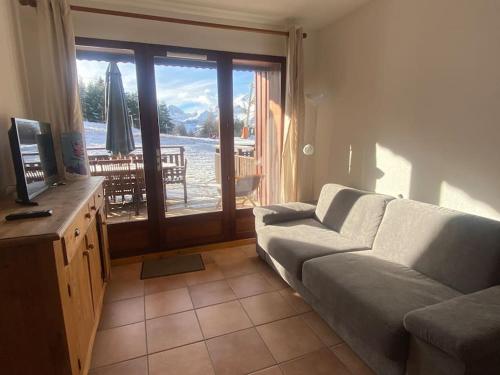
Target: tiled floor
[{"x": 236, "y": 317}]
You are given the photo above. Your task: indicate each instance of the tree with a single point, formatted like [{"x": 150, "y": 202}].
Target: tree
[
  {"x": 92, "y": 99},
  {"x": 132, "y": 102},
  {"x": 210, "y": 127},
  {"x": 238, "y": 127},
  {"x": 164, "y": 120},
  {"x": 180, "y": 129}
]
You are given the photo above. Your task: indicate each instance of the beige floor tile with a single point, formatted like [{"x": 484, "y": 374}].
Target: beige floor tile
[
  {"x": 211, "y": 273},
  {"x": 243, "y": 266},
  {"x": 249, "y": 285},
  {"x": 321, "y": 328},
  {"x": 223, "y": 318},
  {"x": 122, "y": 312},
  {"x": 171, "y": 331},
  {"x": 275, "y": 370},
  {"x": 294, "y": 299},
  {"x": 228, "y": 255},
  {"x": 117, "y": 290},
  {"x": 187, "y": 360},
  {"x": 274, "y": 278},
  {"x": 119, "y": 344},
  {"x": 169, "y": 302},
  {"x": 351, "y": 360},
  {"x": 126, "y": 272},
  {"x": 207, "y": 258},
  {"x": 250, "y": 250},
  {"x": 239, "y": 353},
  {"x": 289, "y": 338},
  {"x": 161, "y": 284},
  {"x": 138, "y": 366},
  {"x": 322, "y": 362},
  {"x": 211, "y": 293},
  {"x": 267, "y": 307}
]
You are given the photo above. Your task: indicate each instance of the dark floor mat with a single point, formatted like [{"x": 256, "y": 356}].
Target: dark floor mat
[{"x": 171, "y": 265}]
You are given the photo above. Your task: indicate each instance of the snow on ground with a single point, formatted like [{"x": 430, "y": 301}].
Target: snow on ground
[{"x": 199, "y": 152}]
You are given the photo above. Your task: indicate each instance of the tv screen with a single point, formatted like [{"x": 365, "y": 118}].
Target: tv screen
[{"x": 34, "y": 158}]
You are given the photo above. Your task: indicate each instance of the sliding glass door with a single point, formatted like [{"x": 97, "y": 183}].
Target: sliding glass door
[
  {"x": 113, "y": 130},
  {"x": 206, "y": 130},
  {"x": 189, "y": 127}
]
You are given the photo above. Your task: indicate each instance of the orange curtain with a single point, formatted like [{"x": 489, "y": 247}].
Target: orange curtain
[
  {"x": 268, "y": 134},
  {"x": 294, "y": 116}
]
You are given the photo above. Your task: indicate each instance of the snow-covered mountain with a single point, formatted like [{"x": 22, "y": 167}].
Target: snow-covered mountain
[{"x": 193, "y": 121}]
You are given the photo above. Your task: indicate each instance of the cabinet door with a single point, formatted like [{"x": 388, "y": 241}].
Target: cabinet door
[
  {"x": 95, "y": 267},
  {"x": 102, "y": 231},
  {"x": 81, "y": 299}
]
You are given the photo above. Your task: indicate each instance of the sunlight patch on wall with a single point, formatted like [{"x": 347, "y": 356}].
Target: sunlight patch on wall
[
  {"x": 396, "y": 173},
  {"x": 350, "y": 159},
  {"x": 456, "y": 199}
]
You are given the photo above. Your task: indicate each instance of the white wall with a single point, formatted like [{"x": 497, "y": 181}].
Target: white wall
[
  {"x": 136, "y": 30},
  {"x": 414, "y": 102},
  {"x": 12, "y": 88}
]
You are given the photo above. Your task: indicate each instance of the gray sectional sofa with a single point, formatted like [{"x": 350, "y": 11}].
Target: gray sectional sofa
[{"x": 413, "y": 288}]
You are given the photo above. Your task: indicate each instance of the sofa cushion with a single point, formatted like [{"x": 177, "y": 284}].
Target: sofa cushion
[
  {"x": 279, "y": 213},
  {"x": 466, "y": 327},
  {"x": 370, "y": 296},
  {"x": 454, "y": 248},
  {"x": 355, "y": 214},
  {"x": 294, "y": 242}
]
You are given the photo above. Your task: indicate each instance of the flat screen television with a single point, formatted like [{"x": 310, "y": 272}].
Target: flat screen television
[{"x": 34, "y": 158}]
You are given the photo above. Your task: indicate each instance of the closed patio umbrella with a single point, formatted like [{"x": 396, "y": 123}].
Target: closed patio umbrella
[{"x": 119, "y": 137}]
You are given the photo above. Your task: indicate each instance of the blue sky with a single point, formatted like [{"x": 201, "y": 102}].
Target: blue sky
[{"x": 191, "y": 89}]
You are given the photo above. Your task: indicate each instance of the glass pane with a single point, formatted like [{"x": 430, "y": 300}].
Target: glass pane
[
  {"x": 108, "y": 94},
  {"x": 188, "y": 116},
  {"x": 257, "y": 132}
]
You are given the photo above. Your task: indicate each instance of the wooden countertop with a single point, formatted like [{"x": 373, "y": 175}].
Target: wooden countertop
[{"x": 65, "y": 201}]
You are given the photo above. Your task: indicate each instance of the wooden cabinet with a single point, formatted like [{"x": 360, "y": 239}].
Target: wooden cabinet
[
  {"x": 53, "y": 274},
  {"x": 93, "y": 255}
]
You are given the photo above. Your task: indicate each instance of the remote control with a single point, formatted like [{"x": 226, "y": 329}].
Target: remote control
[{"x": 28, "y": 214}]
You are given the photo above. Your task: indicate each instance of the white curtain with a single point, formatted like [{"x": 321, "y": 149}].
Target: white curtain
[
  {"x": 60, "y": 81},
  {"x": 294, "y": 116}
]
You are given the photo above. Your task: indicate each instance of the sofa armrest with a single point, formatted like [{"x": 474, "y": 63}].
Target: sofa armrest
[
  {"x": 279, "y": 213},
  {"x": 465, "y": 327}
]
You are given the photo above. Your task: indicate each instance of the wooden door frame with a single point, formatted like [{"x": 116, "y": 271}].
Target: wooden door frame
[{"x": 162, "y": 233}]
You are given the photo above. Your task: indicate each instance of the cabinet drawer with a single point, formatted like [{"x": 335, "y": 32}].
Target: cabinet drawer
[{"x": 76, "y": 232}]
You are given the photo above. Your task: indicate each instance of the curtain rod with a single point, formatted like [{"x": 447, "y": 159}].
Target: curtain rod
[{"x": 78, "y": 8}]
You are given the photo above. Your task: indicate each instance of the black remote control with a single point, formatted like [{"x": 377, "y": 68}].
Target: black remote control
[{"x": 28, "y": 214}]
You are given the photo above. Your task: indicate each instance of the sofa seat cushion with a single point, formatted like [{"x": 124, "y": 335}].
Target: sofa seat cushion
[
  {"x": 294, "y": 242},
  {"x": 370, "y": 296}
]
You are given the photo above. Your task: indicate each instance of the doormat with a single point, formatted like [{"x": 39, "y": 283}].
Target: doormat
[{"x": 171, "y": 265}]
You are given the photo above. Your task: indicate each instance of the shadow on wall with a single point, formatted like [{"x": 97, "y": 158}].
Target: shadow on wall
[
  {"x": 415, "y": 105},
  {"x": 425, "y": 175}
]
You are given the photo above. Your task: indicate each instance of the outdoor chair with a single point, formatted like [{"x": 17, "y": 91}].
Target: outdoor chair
[
  {"x": 174, "y": 167},
  {"x": 246, "y": 186},
  {"x": 120, "y": 180}
]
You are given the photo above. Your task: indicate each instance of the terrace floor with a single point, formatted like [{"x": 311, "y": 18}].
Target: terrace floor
[
  {"x": 119, "y": 213},
  {"x": 235, "y": 317}
]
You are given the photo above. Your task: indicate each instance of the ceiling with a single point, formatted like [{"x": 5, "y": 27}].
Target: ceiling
[{"x": 312, "y": 14}]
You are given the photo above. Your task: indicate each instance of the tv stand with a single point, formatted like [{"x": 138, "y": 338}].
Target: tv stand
[{"x": 53, "y": 271}]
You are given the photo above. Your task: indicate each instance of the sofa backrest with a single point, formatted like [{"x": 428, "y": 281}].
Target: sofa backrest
[
  {"x": 454, "y": 248},
  {"x": 353, "y": 213}
]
